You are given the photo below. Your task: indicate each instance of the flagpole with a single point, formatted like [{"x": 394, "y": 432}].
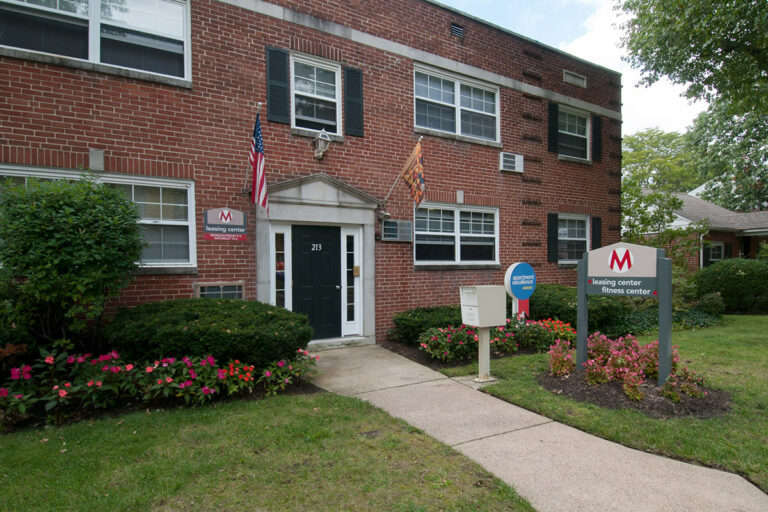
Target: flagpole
[{"x": 383, "y": 204}]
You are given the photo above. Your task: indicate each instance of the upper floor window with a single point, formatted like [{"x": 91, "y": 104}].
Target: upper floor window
[
  {"x": 573, "y": 133},
  {"x": 455, "y": 105},
  {"x": 148, "y": 35},
  {"x": 316, "y": 88},
  {"x": 572, "y": 240}
]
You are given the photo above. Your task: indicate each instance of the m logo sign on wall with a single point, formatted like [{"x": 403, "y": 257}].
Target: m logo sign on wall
[{"x": 224, "y": 224}]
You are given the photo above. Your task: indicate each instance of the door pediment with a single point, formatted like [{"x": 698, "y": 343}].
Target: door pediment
[{"x": 321, "y": 190}]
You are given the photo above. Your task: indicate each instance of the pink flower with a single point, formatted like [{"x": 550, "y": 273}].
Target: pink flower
[
  {"x": 62, "y": 393},
  {"x": 159, "y": 381},
  {"x": 18, "y": 397},
  {"x": 168, "y": 380},
  {"x": 150, "y": 369},
  {"x": 115, "y": 369},
  {"x": 211, "y": 360},
  {"x": 15, "y": 373},
  {"x": 280, "y": 364},
  {"x": 81, "y": 359},
  {"x": 90, "y": 383},
  {"x": 290, "y": 367},
  {"x": 222, "y": 373},
  {"x": 267, "y": 373},
  {"x": 67, "y": 385},
  {"x": 3, "y": 392},
  {"x": 128, "y": 367},
  {"x": 476, "y": 338},
  {"x": 105, "y": 368},
  {"x": 192, "y": 374},
  {"x": 287, "y": 381},
  {"x": 70, "y": 359},
  {"x": 49, "y": 359},
  {"x": 55, "y": 387},
  {"x": 207, "y": 390},
  {"x": 114, "y": 355},
  {"x": 98, "y": 383}
]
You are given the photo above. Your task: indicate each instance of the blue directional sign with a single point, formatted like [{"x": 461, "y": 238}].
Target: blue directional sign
[{"x": 520, "y": 281}]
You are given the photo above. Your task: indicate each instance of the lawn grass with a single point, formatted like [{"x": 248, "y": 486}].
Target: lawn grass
[
  {"x": 301, "y": 452},
  {"x": 732, "y": 356}
]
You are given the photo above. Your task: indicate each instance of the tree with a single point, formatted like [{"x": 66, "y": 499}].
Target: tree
[
  {"x": 660, "y": 161},
  {"x": 66, "y": 248},
  {"x": 717, "y": 48},
  {"x": 731, "y": 153}
]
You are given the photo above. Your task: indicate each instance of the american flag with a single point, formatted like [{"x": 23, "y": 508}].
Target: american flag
[{"x": 256, "y": 158}]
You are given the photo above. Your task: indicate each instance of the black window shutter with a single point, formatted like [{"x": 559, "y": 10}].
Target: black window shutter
[
  {"x": 746, "y": 247},
  {"x": 597, "y": 138},
  {"x": 353, "y": 102},
  {"x": 707, "y": 252},
  {"x": 554, "y": 115},
  {"x": 552, "y": 244},
  {"x": 728, "y": 251},
  {"x": 278, "y": 86},
  {"x": 597, "y": 234}
]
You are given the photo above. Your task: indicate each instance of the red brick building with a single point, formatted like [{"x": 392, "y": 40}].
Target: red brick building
[{"x": 521, "y": 145}]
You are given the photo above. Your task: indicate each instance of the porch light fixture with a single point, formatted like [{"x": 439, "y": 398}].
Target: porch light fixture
[{"x": 321, "y": 143}]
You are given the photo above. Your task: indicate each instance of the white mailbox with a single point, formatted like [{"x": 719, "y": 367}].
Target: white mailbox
[{"x": 483, "y": 306}]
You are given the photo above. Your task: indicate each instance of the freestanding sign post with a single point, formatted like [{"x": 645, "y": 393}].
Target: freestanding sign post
[
  {"x": 520, "y": 283},
  {"x": 631, "y": 270}
]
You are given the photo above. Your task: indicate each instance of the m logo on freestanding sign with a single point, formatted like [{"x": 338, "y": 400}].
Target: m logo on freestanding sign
[
  {"x": 617, "y": 263},
  {"x": 632, "y": 270}
]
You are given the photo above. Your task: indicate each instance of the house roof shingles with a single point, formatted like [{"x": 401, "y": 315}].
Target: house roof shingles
[{"x": 696, "y": 209}]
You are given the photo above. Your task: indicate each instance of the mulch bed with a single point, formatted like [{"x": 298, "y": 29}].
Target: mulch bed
[{"x": 609, "y": 395}]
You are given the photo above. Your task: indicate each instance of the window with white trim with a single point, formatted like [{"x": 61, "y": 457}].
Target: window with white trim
[
  {"x": 716, "y": 251},
  {"x": 166, "y": 212},
  {"x": 220, "y": 291},
  {"x": 148, "y": 35},
  {"x": 453, "y": 235},
  {"x": 573, "y": 133},
  {"x": 316, "y": 94},
  {"x": 572, "y": 237},
  {"x": 451, "y": 104}
]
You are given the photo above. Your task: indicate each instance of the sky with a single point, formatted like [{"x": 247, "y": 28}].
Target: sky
[{"x": 589, "y": 29}]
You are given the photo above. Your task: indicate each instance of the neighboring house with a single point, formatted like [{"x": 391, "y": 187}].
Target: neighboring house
[
  {"x": 731, "y": 234},
  {"x": 521, "y": 145}
]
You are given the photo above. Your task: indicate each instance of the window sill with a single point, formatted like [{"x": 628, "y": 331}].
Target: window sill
[
  {"x": 567, "y": 264},
  {"x": 303, "y": 132},
  {"x": 70, "y": 62},
  {"x": 166, "y": 271},
  {"x": 460, "y": 138},
  {"x": 576, "y": 160},
  {"x": 483, "y": 266}
]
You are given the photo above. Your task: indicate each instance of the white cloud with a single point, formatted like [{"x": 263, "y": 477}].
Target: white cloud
[{"x": 643, "y": 107}]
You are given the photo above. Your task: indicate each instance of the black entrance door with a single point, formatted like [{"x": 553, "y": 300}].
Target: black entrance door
[{"x": 317, "y": 277}]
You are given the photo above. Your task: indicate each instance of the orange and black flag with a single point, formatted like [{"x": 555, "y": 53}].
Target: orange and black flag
[{"x": 413, "y": 174}]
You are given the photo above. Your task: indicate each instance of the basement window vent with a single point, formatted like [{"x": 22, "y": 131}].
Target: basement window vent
[
  {"x": 572, "y": 78},
  {"x": 510, "y": 162},
  {"x": 396, "y": 231},
  {"x": 457, "y": 30}
]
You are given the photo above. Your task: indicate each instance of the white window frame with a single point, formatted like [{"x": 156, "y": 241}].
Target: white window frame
[
  {"x": 120, "y": 179},
  {"x": 574, "y": 78},
  {"x": 587, "y": 231},
  {"x": 458, "y": 81},
  {"x": 285, "y": 230},
  {"x": 323, "y": 64},
  {"x": 94, "y": 34},
  {"x": 355, "y": 326},
  {"x": 457, "y": 209},
  {"x": 712, "y": 245},
  {"x": 588, "y": 136}
]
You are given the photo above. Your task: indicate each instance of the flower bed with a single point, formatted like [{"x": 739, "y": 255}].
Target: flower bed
[
  {"x": 625, "y": 361},
  {"x": 60, "y": 384}
]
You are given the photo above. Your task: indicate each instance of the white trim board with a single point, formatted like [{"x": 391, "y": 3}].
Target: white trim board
[{"x": 335, "y": 29}]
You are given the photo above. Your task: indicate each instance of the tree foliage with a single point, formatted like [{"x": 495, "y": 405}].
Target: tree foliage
[
  {"x": 660, "y": 160},
  {"x": 66, "y": 247},
  {"x": 731, "y": 152},
  {"x": 717, "y": 48}
]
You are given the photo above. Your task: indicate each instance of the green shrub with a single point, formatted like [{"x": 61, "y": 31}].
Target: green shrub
[
  {"x": 67, "y": 247},
  {"x": 743, "y": 284},
  {"x": 228, "y": 329},
  {"x": 449, "y": 344},
  {"x": 410, "y": 324},
  {"x": 711, "y": 303}
]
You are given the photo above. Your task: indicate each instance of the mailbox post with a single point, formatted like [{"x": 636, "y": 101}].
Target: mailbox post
[{"x": 483, "y": 307}]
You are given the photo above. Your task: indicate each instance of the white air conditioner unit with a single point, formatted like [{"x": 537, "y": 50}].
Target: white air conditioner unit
[
  {"x": 396, "y": 231},
  {"x": 510, "y": 162}
]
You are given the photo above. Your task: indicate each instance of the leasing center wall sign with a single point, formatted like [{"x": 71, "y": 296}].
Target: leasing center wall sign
[
  {"x": 623, "y": 269},
  {"x": 224, "y": 224}
]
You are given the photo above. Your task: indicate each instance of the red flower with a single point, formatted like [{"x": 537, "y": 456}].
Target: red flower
[
  {"x": 49, "y": 359},
  {"x": 62, "y": 393}
]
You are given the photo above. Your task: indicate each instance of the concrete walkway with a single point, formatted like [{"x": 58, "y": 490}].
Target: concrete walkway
[{"x": 555, "y": 467}]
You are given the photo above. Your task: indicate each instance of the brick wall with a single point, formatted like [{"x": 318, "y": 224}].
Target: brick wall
[{"x": 51, "y": 115}]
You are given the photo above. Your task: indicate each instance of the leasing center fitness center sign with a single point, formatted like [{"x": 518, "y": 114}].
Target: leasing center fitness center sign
[{"x": 630, "y": 270}]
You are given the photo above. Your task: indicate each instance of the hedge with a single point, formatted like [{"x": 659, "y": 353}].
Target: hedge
[
  {"x": 227, "y": 329},
  {"x": 411, "y": 323},
  {"x": 742, "y": 283}
]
